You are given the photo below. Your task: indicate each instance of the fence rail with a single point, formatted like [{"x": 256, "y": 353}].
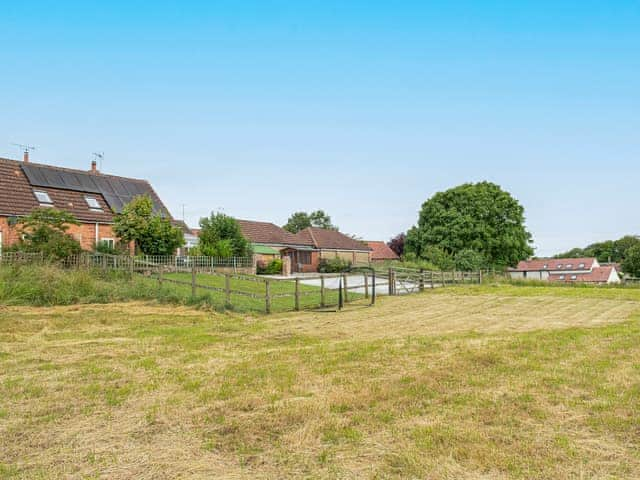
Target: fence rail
[{"x": 228, "y": 280}]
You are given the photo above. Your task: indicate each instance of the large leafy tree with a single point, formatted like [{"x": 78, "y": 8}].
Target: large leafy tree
[
  {"x": 220, "y": 236},
  {"x": 45, "y": 230},
  {"x": 151, "y": 233},
  {"x": 631, "y": 263},
  {"x": 300, "y": 220},
  {"x": 475, "y": 216}
]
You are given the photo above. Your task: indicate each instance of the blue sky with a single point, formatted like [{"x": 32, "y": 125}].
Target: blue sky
[{"x": 364, "y": 109}]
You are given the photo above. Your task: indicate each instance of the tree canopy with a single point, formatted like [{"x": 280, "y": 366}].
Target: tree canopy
[
  {"x": 300, "y": 220},
  {"x": 220, "y": 236},
  {"x": 397, "y": 244},
  {"x": 631, "y": 263},
  {"x": 45, "y": 230},
  {"x": 151, "y": 233},
  {"x": 614, "y": 250},
  {"x": 480, "y": 217}
]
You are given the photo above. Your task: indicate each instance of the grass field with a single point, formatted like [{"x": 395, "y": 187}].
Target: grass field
[{"x": 474, "y": 382}]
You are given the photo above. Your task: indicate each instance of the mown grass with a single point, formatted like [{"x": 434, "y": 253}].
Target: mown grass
[{"x": 140, "y": 391}]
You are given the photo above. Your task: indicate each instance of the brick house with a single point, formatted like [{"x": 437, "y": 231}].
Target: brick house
[
  {"x": 270, "y": 241},
  {"x": 327, "y": 244},
  {"x": 566, "y": 270},
  {"x": 380, "y": 252},
  {"x": 92, "y": 197},
  {"x": 304, "y": 249}
]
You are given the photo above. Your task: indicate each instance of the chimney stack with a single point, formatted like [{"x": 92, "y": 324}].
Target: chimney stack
[
  {"x": 94, "y": 166},
  {"x": 25, "y": 156}
]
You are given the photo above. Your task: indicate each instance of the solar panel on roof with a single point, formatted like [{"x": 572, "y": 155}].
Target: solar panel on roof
[{"x": 117, "y": 192}]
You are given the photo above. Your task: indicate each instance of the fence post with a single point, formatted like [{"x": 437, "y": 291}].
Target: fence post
[
  {"x": 160, "y": 275},
  {"x": 322, "y": 297},
  {"x": 421, "y": 281},
  {"x": 227, "y": 288},
  {"x": 346, "y": 289},
  {"x": 391, "y": 281},
  {"x": 479, "y": 276},
  {"x": 267, "y": 295},
  {"x": 297, "y": 295},
  {"x": 366, "y": 286},
  {"x": 193, "y": 280},
  {"x": 442, "y": 278}
]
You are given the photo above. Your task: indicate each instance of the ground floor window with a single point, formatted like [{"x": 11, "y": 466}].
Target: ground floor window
[
  {"x": 108, "y": 242},
  {"x": 304, "y": 258}
]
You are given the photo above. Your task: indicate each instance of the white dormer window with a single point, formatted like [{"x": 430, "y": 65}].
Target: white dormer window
[
  {"x": 574, "y": 277},
  {"x": 93, "y": 203},
  {"x": 545, "y": 266},
  {"x": 43, "y": 198},
  {"x": 569, "y": 265},
  {"x": 581, "y": 265},
  {"x": 559, "y": 265}
]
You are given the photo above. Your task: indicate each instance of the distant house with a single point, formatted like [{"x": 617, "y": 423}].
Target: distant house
[
  {"x": 304, "y": 249},
  {"x": 327, "y": 244},
  {"x": 91, "y": 196},
  {"x": 380, "y": 252},
  {"x": 269, "y": 240},
  {"x": 567, "y": 270}
]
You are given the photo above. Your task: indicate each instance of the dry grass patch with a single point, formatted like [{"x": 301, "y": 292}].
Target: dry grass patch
[{"x": 459, "y": 384}]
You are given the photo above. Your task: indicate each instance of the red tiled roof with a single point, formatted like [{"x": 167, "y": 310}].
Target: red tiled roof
[
  {"x": 329, "y": 239},
  {"x": 17, "y": 197},
  {"x": 381, "y": 251},
  {"x": 555, "y": 264},
  {"x": 597, "y": 275},
  {"x": 268, "y": 233}
]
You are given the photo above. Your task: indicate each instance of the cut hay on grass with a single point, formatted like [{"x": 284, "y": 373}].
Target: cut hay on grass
[{"x": 464, "y": 383}]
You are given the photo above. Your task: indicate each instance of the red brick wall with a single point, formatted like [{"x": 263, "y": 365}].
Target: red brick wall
[{"x": 85, "y": 233}]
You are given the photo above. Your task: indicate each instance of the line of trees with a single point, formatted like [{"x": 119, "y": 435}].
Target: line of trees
[{"x": 625, "y": 250}]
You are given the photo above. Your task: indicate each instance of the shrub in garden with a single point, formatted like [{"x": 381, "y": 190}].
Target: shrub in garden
[
  {"x": 333, "y": 265},
  {"x": 274, "y": 267}
]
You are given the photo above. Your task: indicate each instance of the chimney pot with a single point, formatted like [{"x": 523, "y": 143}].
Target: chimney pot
[
  {"x": 94, "y": 166},
  {"x": 25, "y": 157}
]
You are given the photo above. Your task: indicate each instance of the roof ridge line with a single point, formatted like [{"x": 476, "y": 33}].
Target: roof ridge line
[
  {"x": 75, "y": 170},
  {"x": 313, "y": 238}
]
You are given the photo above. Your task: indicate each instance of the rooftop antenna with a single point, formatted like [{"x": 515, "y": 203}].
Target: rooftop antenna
[
  {"x": 99, "y": 157},
  {"x": 25, "y": 148}
]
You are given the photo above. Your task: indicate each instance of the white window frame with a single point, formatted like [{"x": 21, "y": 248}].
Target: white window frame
[
  {"x": 89, "y": 200},
  {"x": 43, "y": 198},
  {"x": 110, "y": 241}
]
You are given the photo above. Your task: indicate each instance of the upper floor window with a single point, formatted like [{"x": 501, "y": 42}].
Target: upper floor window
[
  {"x": 581, "y": 265},
  {"x": 561, "y": 277},
  {"x": 93, "y": 203},
  {"x": 574, "y": 277},
  {"x": 43, "y": 198},
  {"x": 569, "y": 265}
]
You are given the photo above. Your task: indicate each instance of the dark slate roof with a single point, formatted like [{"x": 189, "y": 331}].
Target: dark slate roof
[
  {"x": 330, "y": 239},
  {"x": 67, "y": 189}
]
